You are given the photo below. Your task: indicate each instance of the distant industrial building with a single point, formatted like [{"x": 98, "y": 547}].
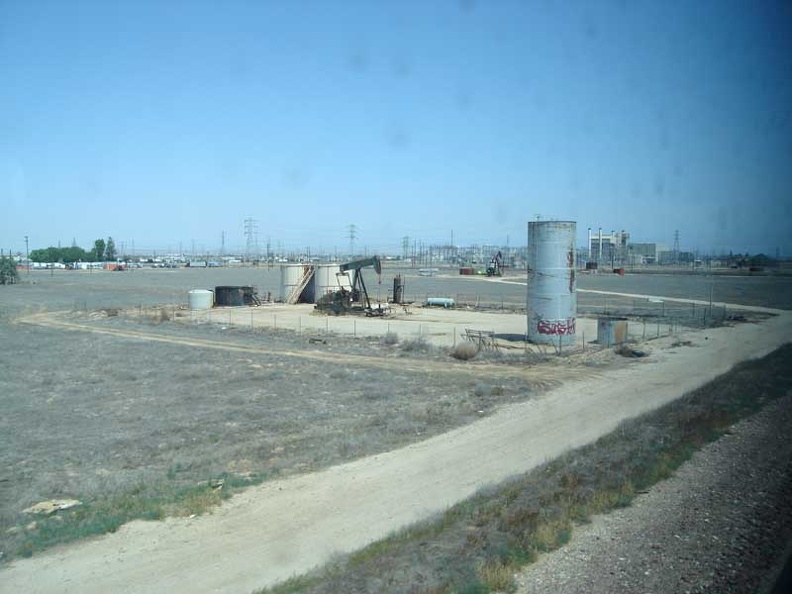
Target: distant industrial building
[
  {"x": 615, "y": 249},
  {"x": 608, "y": 248},
  {"x": 647, "y": 253}
]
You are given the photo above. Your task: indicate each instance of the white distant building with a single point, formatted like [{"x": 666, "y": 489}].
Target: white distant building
[
  {"x": 608, "y": 248},
  {"x": 647, "y": 253}
]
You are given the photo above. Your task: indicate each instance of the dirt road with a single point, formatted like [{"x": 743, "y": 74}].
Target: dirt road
[{"x": 285, "y": 527}]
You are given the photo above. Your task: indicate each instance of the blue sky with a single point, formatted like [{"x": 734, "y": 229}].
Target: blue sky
[{"x": 168, "y": 123}]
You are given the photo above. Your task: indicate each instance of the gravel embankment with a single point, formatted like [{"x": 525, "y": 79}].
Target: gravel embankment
[{"x": 720, "y": 524}]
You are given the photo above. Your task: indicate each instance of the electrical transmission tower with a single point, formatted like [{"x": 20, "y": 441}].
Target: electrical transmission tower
[
  {"x": 676, "y": 246},
  {"x": 251, "y": 234},
  {"x": 352, "y": 237}
]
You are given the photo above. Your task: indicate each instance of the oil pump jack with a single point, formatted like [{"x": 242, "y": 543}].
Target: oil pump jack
[
  {"x": 344, "y": 301},
  {"x": 359, "y": 292},
  {"x": 495, "y": 266}
]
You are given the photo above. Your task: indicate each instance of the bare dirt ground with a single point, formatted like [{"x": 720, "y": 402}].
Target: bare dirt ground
[{"x": 289, "y": 525}]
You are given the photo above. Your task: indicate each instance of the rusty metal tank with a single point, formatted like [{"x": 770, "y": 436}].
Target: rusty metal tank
[{"x": 611, "y": 331}]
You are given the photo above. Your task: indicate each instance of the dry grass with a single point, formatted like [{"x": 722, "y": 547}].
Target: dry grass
[
  {"x": 417, "y": 345},
  {"x": 464, "y": 351},
  {"x": 160, "y": 316},
  {"x": 477, "y": 545},
  {"x": 157, "y": 421},
  {"x": 497, "y": 576},
  {"x": 390, "y": 339}
]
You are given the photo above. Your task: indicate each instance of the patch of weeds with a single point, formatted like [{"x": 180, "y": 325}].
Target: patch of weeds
[
  {"x": 160, "y": 316},
  {"x": 473, "y": 586},
  {"x": 199, "y": 500},
  {"x": 89, "y": 519},
  {"x": 496, "y": 355},
  {"x": 389, "y": 339},
  {"x": 294, "y": 585},
  {"x": 612, "y": 498},
  {"x": 341, "y": 374},
  {"x": 465, "y": 351},
  {"x": 174, "y": 469},
  {"x": 416, "y": 345},
  {"x": 497, "y": 576},
  {"x": 374, "y": 395},
  {"x": 550, "y": 535},
  {"x": 350, "y": 447},
  {"x": 142, "y": 502},
  {"x": 484, "y": 390}
]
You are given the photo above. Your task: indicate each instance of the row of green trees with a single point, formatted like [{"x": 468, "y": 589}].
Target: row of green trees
[{"x": 103, "y": 251}]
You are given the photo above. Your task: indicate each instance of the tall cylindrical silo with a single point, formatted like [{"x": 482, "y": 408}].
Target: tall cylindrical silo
[{"x": 552, "y": 295}]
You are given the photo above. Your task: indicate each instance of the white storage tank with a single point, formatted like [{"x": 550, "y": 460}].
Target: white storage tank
[
  {"x": 552, "y": 294},
  {"x": 291, "y": 274},
  {"x": 198, "y": 299},
  {"x": 326, "y": 279}
]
